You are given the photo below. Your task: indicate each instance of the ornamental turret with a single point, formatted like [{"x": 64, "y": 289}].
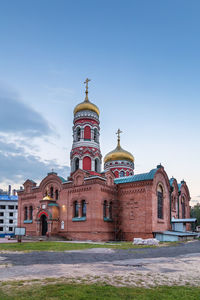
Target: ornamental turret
[
  {"x": 85, "y": 153},
  {"x": 119, "y": 161}
]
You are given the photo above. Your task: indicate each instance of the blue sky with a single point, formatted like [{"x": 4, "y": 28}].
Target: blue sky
[{"x": 144, "y": 61}]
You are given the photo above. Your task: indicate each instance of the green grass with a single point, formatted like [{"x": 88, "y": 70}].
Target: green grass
[
  {"x": 61, "y": 291},
  {"x": 60, "y": 246}
]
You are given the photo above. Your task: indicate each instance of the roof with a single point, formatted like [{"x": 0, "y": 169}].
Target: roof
[
  {"x": 31, "y": 180},
  {"x": 53, "y": 204},
  {"x": 171, "y": 181},
  {"x": 7, "y": 197},
  {"x": 62, "y": 179},
  {"x": 137, "y": 177},
  {"x": 191, "y": 220},
  {"x": 178, "y": 233}
]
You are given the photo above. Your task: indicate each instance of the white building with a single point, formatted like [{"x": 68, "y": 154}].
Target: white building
[{"x": 8, "y": 213}]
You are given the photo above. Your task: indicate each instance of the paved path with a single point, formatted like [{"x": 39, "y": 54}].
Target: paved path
[{"x": 180, "y": 262}]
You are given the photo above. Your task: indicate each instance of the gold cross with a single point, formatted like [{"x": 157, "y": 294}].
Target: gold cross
[
  {"x": 118, "y": 133},
  {"x": 118, "y": 136},
  {"x": 86, "y": 90}
]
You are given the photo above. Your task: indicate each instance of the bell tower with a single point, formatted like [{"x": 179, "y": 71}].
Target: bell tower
[{"x": 85, "y": 153}]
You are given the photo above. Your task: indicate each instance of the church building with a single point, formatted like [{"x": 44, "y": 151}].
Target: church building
[{"x": 101, "y": 205}]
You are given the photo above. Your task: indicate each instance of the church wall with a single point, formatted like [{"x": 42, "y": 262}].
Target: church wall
[
  {"x": 184, "y": 198},
  {"x": 161, "y": 224},
  {"x": 93, "y": 227},
  {"x": 27, "y": 200},
  {"x": 135, "y": 210},
  {"x": 134, "y": 207}
]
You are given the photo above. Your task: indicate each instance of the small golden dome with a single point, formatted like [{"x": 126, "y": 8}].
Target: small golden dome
[
  {"x": 47, "y": 198},
  {"x": 86, "y": 105},
  {"x": 118, "y": 154}
]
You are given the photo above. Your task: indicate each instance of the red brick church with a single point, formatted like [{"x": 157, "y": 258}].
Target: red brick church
[{"x": 115, "y": 204}]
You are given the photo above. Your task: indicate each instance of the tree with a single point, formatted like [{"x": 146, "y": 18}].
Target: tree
[{"x": 195, "y": 213}]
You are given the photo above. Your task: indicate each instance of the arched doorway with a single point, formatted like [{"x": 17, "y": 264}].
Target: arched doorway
[{"x": 44, "y": 225}]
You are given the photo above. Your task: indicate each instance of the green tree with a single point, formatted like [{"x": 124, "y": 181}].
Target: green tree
[{"x": 195, "y": 213}]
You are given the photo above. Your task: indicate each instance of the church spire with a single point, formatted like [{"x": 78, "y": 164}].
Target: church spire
[{"x": 86, "y": 89}]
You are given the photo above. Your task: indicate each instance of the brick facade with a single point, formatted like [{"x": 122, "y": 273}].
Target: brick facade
[{"x": 134, "y": 206}]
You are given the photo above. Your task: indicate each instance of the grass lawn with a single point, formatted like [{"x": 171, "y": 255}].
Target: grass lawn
[
  {"x": 61, "y": 246},
  {"x": 37, "y": 291}
]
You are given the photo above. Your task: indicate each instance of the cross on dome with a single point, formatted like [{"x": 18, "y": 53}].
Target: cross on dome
[
  {"x": 86, "y": 89},
  {"x": 118, "y": 136}
]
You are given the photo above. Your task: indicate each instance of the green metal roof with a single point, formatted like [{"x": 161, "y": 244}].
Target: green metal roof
[
  {"x": 171, "y": 181},
  {"x": 138, "y": 177},
  {"x": 62, "y": 179},
  {"x": 53, "y": 204}
]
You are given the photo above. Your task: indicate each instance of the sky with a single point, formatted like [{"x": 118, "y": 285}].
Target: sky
[{"x": 143, "y": 59}]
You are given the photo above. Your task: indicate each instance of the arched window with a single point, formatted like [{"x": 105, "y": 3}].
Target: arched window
[
  {"x": 56, "y": 194},
  {"x": 96, "y": 165},
  {"x": 76, "y": 209},
  {"x": 83, "y": 205},
  {"x": 87, "y": 163},
  {"x": 76, "y": 163},
  {"x": 51, "y": 192},
  {"x": 160, "y": 201},
  {"x": 25, "y": 213},
  {"x": 78, "y": 134},
  {"x": 95, "y": 135},
  {"x": 105, "y": 209},
  {"x": 31, "y": 213},
  {"x": 121, "y": 174},
  {"x": 87, "y": 133},
  {"x": 110, "y": 210},
  {"x": 183, "y": 208},
  {"x": 174, "y": 203}
]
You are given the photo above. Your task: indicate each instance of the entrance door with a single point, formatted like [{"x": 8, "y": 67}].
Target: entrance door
[{"x": 44, "y": 224}]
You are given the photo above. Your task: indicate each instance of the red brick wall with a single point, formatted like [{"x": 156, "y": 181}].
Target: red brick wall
[{"x": 134, "y": 207}]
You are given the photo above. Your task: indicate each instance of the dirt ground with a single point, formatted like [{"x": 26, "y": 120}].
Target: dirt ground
[{"x": 146, "y": 272}]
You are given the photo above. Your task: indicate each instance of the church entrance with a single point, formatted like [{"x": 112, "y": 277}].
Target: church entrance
[{"x": 44, "y": 225}]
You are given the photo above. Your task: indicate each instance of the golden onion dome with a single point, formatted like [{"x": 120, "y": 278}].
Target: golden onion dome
[
  {"x": 47, "y": 198},
  {"x": 86, "y": 105},
  {"x": 118, "y": 153}
]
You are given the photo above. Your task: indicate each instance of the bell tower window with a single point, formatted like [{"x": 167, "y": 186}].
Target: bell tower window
[
  {"x": 121, "y": 174},
  {"x": 96, "y": 167},
  {"x": 95, "y": 135},
  {"x": 76, "y": 162},
  {"x": 87, "y": 133},
  {"x": 78, "y": 134}
]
